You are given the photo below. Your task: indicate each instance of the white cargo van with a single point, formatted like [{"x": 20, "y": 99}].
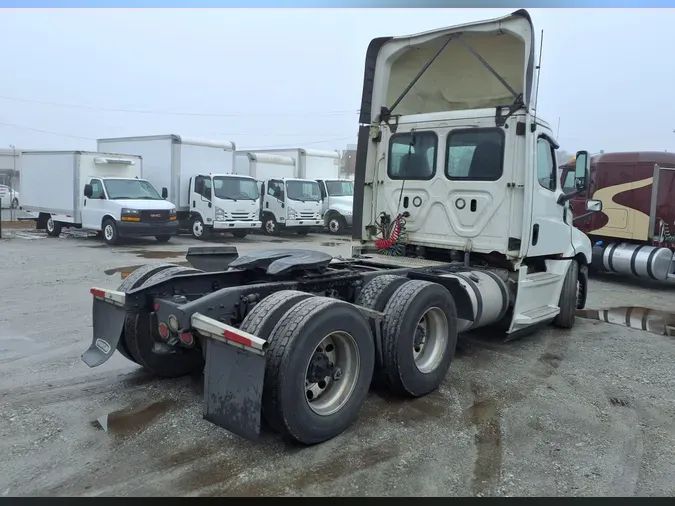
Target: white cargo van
[
  {"x": 199, "y": 176},
  {"x": 94, "y": 191},
  {"x": 288, "y": 200}
]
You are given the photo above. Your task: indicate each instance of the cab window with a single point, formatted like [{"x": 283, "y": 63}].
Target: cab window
[
  {"x": 475, "y": 154},
  {"x": 412, "y": 156},
  {"x": 546, "y": 164},
  {"x": 96, "y": 189}
]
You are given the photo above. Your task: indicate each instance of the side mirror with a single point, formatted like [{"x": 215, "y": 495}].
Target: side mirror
[
  {"x": 165, "y": 192},
  {"x": 582, "y": 167},
  {"x": 88, "y": 191},
  {"x": 594, "y": 206}
]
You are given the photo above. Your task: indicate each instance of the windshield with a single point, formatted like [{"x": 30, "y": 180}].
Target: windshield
[
  {"x": 340, "y": 188},
  {"x": 303, "y": 190},
  {"x": 131, "y": 189},
  {"x": 235, "y": 188}
]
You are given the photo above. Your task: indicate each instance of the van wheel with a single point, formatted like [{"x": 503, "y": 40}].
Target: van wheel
[
  {"x": 199, "y": 230},
  {"x": 270, "y": 225},
  {"x": 53, "y": 227},
  {"x": 319, "y": 368},
  {"x": 110, "y": 235},
  {"x": 419, "y": 337},
  {"x": 240, "y": 234},
  {"x": 336, "y": 224},
  {"x": 569, "y": 296}
]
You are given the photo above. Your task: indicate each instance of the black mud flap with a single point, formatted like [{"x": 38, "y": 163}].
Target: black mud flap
[
  {"x": 211, "y": 258},
  {"x": 108, "y": 323},
  {"x": 233, "y": 385}
]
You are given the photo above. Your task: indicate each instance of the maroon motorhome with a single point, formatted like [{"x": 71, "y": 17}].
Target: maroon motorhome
[{"x": 635, "y": 232}]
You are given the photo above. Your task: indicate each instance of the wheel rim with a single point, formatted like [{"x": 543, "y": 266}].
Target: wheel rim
[
  {"x": 430, "y": 340},
  {"x": 269, "y": 226},
  {"x": 327, "y": 389},
  {"x": 50, "y": 225},
  {"x": 334, "y": 225},
  {"x": 197, "y": 228},
  {"x": 108, "y": 232}
]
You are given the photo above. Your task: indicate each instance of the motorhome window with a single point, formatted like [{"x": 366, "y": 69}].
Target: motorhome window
[
  {"x": 235, "y": 188},
  {"x": 546, "y": 166},
  {"x": 136, "y": 189},
  {"x": 340, "y": 188},
  {"x": 303, "y": 190},
  {"x": 96, "y": 189},
  {"x": 475, "y": 154},
  {"x": 412, "y": 156}
]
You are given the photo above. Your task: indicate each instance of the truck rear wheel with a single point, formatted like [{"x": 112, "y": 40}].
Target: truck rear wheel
[
  {"x": 134, "y": 280},
  {"x": 569, "y": 296},
  {"x": 302, "y": 231},
  {"x": 53, "y": 227},
  {"x": 140, "y": 339},
  {"x": 419, "y": 337},
  {"x": 240, "y": 234},
  {"x": 319, "y": 368}
]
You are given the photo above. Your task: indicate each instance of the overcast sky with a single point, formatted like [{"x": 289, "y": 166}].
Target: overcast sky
[{"x": 287, "y": 77}]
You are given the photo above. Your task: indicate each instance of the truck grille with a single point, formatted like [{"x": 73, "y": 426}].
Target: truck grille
[
  {"x": 307, "y": 216},
  {"x": 240, "y": 217},
  {"x": 154, "y": 216}
]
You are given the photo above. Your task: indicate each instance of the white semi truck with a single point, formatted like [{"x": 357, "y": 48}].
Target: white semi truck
[
  {"x": 337, "y": 194},
  {"x": 460, "y": 223},
  {"x": 100, "y": 192},
  {"x": 199, "y": 175},
  {"x": 289, "y": 201}
]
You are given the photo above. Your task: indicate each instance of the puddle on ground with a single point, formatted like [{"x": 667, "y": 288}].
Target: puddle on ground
[
  {"x": 131, "y": 420},
  {"x": 642, "y": 318},
  {"x": 128, "y": 269}
]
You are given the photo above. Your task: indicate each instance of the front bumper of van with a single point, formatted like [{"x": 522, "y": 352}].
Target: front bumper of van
[
  {"x": 236, "y": 225},
  {"x": 140, "y": 229}
]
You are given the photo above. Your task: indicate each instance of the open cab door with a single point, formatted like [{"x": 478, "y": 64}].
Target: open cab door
[{"x": 444, "y": 116}]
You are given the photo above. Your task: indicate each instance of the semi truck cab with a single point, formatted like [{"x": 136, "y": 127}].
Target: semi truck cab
[
  {"x": 223, "y": 202},
  {"x": 290, "y": 203}
]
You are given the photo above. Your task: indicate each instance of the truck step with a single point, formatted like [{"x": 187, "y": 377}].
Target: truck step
[
  {"x": 536, "y": 315},
  {"x": 540, "y": 278}
]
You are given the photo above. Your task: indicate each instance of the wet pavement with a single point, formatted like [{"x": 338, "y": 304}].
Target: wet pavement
[{"x": 586, "y": 412}]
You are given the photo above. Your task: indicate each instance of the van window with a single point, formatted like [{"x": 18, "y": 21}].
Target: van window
[
  {"x": 475, "y": 154},
  {"x": 412, "y": 155}
]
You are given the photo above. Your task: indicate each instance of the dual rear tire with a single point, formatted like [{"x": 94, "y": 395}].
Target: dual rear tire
[{"x": 322, "y": 355}]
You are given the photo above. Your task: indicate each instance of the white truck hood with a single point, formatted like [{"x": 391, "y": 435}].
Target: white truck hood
[
  {"x": 341, "y": 202},
  {"x": 457, "y": 79},
  {"x": 142, "y": 204}
]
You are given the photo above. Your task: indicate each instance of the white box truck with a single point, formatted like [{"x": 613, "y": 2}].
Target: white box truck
[
  {"x": 199, "y": 176},
  {"x": 288, "y": 201},
  {"x": 337, "y": 194},
  {"x": 94, "y": 191}
]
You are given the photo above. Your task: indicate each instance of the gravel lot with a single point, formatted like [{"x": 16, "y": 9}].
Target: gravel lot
[{"x": 585, "y": 412}]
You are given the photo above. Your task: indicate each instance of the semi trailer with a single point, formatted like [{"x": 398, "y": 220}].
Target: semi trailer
[
  {"x": 633, "y": 234},
  {"x": 101, "y": 192},
  {"x": 288, "y": 199},
  {"x": 460, "y": 223},
  {"x": 199, "y": 175}
]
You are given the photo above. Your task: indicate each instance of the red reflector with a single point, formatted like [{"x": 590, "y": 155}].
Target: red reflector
[
  {"x": 186, "y": 338},
  {"x": 156, "y": 307},
  {"x": 237, "y": 338},
  {"x": 97, "y": 293},
  {"x": 163, "y": 330}
]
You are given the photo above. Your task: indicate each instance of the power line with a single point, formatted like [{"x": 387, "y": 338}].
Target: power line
[
  {"x": 177, "y": 113},
  {"x": 49, "y": 132}
]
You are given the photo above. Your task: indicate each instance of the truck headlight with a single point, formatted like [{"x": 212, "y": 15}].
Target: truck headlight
[
  {"x": 292, "y": 213},
  {"x": 172, "y": 215},
  {"x": 130, "y": 214},
  {"x": 220, "y": 214}
]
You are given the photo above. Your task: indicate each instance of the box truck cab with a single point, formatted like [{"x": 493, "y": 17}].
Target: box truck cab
[
  {"x": 338, "y": 204},
  {"x": 287, "y": 200},
  {"x": 95, "y": 191},
  {"x": 224, "y": 203},
  {"x": 197, "y": 172}
]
